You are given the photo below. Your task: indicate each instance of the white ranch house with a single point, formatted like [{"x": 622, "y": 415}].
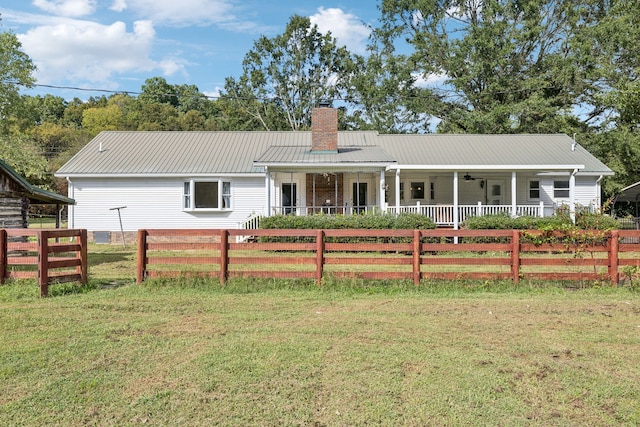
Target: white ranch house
[{"x": 225, "y": 179}]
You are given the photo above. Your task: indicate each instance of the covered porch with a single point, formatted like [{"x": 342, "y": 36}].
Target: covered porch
[{"x": 447, "y": 197}]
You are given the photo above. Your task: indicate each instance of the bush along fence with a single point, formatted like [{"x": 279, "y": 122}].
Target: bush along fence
[
  {"x": 580, "y": 255},
  {"x": 51, "y": 256}
]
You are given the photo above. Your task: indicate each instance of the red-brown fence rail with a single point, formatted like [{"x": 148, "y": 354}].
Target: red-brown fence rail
[
  {"x": 389, "y": 254},
  {"x": 51, "y": 256}
]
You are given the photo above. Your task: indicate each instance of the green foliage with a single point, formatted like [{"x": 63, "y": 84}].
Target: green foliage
[
  {"x": 560, "y": 221},
  {"x": 286, "y": 76},
  {"x": 16, "y": 70},
  {"x": 510, "y": 66},
  {"x": 365, "y": 221},
  {"x": 506, "y": 222},
  {"x": 369, "y": 221},
  {"x": 24, "y": 157}
]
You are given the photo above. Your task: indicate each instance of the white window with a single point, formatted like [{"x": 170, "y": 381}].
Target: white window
[
  {"x": 561, "y": 189},
  {"x": 207, "y": 195},
  {"x": 534, "y": 189}
]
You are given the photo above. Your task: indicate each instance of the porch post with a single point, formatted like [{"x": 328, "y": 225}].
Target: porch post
[
  {"x": 455, "y": 200},
  {"x": 292, "y": 202},
  {"x": 514, "y": 207},
  {"x": 335, "y": 187},
  {"x": 381, "y": 195},
  {"x": 358, "y": 192},
  {"x": 572, "y": 195},
  {"x": 397, "y": 184},
  {"x": 267, "y": 183}
]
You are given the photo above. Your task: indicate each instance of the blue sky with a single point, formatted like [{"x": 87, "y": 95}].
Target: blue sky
[{"x": 115, "y": 45}]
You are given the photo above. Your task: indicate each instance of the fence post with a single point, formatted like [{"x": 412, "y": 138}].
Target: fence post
[
  {"x": 515, "y": 256},
  {"x": 614, "y": 247},
  {"x": 43, "y": 263},
  {"x": 3, "y": 255},
  {"x": 224, "y": 256},
  {"x": 142, "y": 256},
  {"x": 84, "y": 257},
  {"x": 319, "y": 256},
  {"x": 416, "y": 257}
]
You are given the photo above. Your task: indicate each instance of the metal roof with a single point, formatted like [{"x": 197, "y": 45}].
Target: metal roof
[
  {"x": 288, "y": 156},
  {"x": 517, "y": 151},
  {"x": 117, "y": 153}
]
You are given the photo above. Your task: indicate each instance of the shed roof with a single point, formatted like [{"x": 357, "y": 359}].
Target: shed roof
[
  {"x": 34, "y": 194},
  {"x": 117, "y": 153}
]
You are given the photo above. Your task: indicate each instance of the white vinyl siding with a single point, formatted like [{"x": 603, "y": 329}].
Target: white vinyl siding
[{"x": 156, "y": 204}]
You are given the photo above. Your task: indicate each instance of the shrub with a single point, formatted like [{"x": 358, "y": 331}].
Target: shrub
[
  {"x": 373, "y": 221},
  {"x": 559, "y": 222},
  {"x": 369, "y": 221},
  {"x": 506, "y": 222}
]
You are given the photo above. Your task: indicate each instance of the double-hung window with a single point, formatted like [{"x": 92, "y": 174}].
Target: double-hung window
[
  {"x": 534, "y": 189},
  {"x": 206, "y": 195},
  {"x": 561, "y": 189}
]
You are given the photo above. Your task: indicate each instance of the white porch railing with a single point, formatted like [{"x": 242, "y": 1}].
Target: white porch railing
[{"x": 443, "y": 214}]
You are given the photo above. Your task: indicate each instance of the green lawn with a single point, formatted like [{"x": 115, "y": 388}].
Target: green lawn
[{"x": 277, "y": 353}]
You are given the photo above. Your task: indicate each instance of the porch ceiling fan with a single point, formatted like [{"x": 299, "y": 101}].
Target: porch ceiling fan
[{"x": 469, "y": 178}]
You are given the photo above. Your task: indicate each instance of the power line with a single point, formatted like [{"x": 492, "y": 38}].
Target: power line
[{"x": 441, "y": 90}]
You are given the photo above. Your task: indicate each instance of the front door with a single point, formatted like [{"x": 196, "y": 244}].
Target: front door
[
  {"x": 359, "y": 197},
  {"x": 289, "y": 197},
  {"x": 495, "y": 192}
]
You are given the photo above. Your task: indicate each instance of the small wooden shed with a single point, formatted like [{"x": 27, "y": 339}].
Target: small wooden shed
[{"x": 16, "y": 195}]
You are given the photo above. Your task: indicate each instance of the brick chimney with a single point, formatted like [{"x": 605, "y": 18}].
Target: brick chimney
[{"x": 324, "y": 129}]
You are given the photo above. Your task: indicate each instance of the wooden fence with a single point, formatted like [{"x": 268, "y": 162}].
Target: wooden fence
[
  {"x": 51, "y": 256},
  {"x": 389, "y": 254}
]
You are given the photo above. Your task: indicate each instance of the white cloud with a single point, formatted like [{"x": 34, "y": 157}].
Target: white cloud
[
  {"x": 74, "y": 50},
  {"x": 183, "y": 12},
  {"x": 431, "y": 80},
  {"x": 345, "y": 27},
  {"x": 118, "y": 5},
  {"x": 69, "y": 8}
]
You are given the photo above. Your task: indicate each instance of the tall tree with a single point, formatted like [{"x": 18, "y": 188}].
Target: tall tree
[
  {"x": 510, "y": 65},
  {"x": 385, "y": 95},
  {"x": 285, "y": 76},
  {"x": 16, "y": 70},
  {"x": 615, "y": 117}
]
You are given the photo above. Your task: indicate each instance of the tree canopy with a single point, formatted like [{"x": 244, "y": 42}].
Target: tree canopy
[
  {"x": 285, "y": 76},
  {"x": 16, "y": 70},
  {"x": 505, "y": 66}
]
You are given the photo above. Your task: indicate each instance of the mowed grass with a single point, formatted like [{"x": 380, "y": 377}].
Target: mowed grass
[
  {"x": 201, "y": 355},
  {"x": 275, "y": 353}
]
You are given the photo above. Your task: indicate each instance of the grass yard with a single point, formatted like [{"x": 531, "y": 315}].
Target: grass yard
[{"x": 351, "y": 353}]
